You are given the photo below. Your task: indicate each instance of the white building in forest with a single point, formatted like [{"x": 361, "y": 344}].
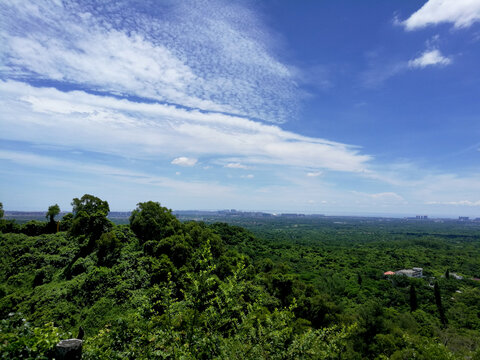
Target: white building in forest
[{"x": 415, "y": 272}]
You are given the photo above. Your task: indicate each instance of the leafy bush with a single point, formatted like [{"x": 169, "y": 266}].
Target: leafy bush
[{"x": 20, "y": 340}]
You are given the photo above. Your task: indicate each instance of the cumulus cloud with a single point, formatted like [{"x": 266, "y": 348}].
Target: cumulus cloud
[
  {"x": 462, "y": 13},
  {"x": 314, "y": 173},
  {"x": 429, "y": 58},
  {"x": 184, "y": 161}
]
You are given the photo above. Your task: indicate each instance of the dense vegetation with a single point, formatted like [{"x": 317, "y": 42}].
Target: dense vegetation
[{"x": 307, "y": 288}]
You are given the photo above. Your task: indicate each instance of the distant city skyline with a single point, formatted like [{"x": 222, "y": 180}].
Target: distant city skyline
[{"x": 341, "y": 107}]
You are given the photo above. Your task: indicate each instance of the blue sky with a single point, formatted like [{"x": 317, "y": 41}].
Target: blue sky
[{"x": 335, "y": 107}]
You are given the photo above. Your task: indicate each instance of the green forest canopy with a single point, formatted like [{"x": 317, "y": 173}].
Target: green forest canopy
[{"x": 281, "y": 289}]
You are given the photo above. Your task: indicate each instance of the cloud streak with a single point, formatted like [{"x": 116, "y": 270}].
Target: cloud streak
[{"x": 140, "y": 130}]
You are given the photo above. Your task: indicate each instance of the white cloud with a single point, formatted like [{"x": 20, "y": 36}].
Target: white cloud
[
  {"x": 462, "y": 13},
  {"x": 236, "y": 166},
  {"x": 314, "y": 173},
  {"x": 429, "y": 58},
  {"x": 183, "y": 53},
  {"x": 142, "y": 130},
  {"x": 249, "y": 176},
  {"x": 184, "y": 161}
]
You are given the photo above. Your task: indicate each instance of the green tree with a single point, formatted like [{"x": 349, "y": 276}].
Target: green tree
[
  {"x": 90, "y": 217},
  {"x": 438, "y": 302},
  {"x": 1, "y": 210},
  {"x": 447, "y": 274},
  {"x": 90, "y": 204},
  {"x": 151, "y": 221},
  {"x": 53, "y": 211}
]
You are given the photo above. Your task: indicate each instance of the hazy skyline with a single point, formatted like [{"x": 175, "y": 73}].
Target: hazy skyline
[{"x": 336, "y": 107}]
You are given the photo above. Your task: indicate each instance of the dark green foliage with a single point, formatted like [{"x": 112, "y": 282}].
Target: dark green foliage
[
  {"x": 1, "y": 211},
  {"x": 9, "y": 226},
  {"x": 34, "y": 228},
  {"x": 319, "y": 309},
  {"x": 265, "y": 265},
  {"x": 413, "y": 298},
  {"x": 232, "y": 235},
  {"x": 438, "y": 302},
  {"x": 294, "y": 290},
  {"x": 371, "y": 322},
  {"x": 43, "y": 275},
  {"x": 108, "y": 248},
  {"x": 161, "y": 269},
  {"x": 151, "y": 221},
  {"x": 53, "y": 211},
  {"x": 90, "y": 218},
  {"x": 66, "y": 222}
]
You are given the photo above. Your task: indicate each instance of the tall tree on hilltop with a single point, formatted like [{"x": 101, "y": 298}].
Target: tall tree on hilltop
[
  {"x": 151, "y": 221},
  {"x": 90, "y": 217},
  {"x": 53, "y": 211}
]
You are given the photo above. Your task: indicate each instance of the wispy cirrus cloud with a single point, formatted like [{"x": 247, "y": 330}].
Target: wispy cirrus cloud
[
  {"x": 190, "y": 55},
  {"x": 462, "y": 13}
]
